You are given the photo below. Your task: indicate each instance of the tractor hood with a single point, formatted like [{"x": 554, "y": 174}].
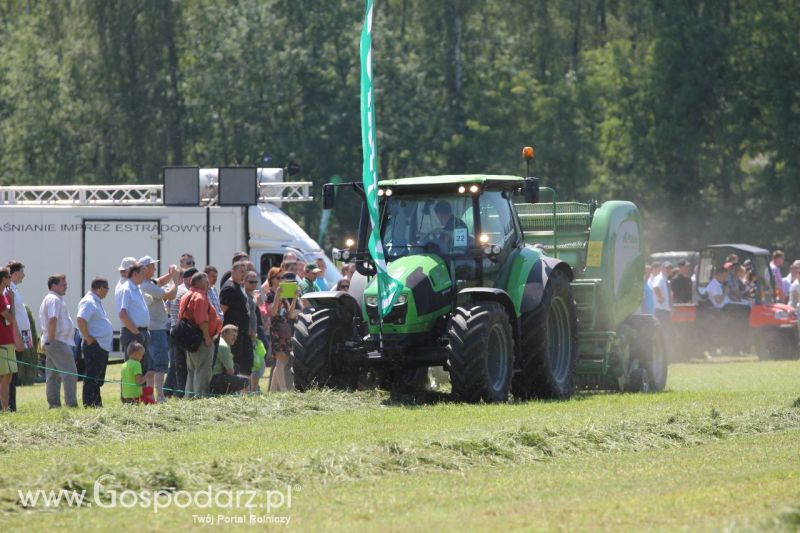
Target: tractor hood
[{"x": 426, "y": 286}]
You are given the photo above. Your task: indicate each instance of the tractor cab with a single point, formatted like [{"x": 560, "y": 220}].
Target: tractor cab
[{"x": 467, "y": 222}]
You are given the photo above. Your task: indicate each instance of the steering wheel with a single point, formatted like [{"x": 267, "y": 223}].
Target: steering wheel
[{"x": 436, "y": 236}]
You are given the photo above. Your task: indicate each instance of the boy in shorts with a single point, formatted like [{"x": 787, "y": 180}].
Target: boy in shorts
[{"x": 132, "y": 378}]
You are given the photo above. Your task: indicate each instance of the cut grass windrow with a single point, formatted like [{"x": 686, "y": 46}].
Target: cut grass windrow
[
  {"x": 84, "y": 427},
  {"x": 522, "y": 445}
]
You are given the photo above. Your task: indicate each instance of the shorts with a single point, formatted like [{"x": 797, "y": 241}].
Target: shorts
[
  {"x": 158, "y": 351},
  {"x": 8, "y": 359}
]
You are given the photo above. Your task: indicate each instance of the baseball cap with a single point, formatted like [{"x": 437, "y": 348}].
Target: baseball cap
[
  {"x": 147, "y": 260},
  {"x": 312, "y": 267},
  {"x": 127, "y": 263},
  {"x": 666, "y": 264},
  {"x": 682, "y": 262},
  {"x": 189, "y": 272},
  {"x": 727, "y": 265}
]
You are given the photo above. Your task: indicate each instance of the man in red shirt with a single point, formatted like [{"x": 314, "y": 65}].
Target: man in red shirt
[
  {"x": 8, "y": 357},
  {"x": 197, "y": 309}
]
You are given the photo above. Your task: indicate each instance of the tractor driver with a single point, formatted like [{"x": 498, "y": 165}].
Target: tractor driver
[
  {"x": 452, "y": 234},
  {"x": 444, "y": 212}
]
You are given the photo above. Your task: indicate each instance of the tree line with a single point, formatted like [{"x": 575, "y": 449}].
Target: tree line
[{"x": 689, "y": 108}]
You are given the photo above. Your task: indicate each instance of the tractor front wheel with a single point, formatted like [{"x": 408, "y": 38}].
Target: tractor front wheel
[
  {"x": 317, "y": 343},
  {"x": 548, "y": 359},
  {"x": 481, "y": 352},
  {"x": 778, "y": 343}
]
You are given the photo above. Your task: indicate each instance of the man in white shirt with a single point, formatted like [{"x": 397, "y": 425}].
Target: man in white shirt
[
  {"x": 661, "y": 292},
  {"x": 58, "y": 338},
  {"x": 794, "y": 286},
  {"x": 717, "y": 290}
]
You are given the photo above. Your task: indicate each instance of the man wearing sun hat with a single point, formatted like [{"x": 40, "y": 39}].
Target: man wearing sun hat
[
  {"x": 124, "y": 265},
  {"x": 309, "y": 282}
]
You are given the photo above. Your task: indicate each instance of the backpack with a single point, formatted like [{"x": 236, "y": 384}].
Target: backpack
[{"x": 185, "y": 334}]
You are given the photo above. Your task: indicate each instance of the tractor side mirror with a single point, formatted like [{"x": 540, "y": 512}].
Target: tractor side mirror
[
  {"x": 328, "y": 195},
  {"x": 531, "y": 190}
]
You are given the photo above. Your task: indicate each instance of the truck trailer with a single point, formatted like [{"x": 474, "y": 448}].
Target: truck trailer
[{"x": 84, "y": 231}]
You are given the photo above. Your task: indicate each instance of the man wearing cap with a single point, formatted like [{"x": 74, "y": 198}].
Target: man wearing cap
[
  {"x": 134, "y": 316},
  {"x": 176, "y": 377},
  {"x": 321, "y": 283},
  {"x": 124, "y": 266},
  {"x": 158, "y": 353},
  {"x": 309, "y": 283},
  {"x": 681, "y": 283},
  {"x": 660, "y": 286}
]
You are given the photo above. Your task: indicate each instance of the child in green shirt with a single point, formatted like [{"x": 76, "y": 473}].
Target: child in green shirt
[{"x": 132, "y": 378}]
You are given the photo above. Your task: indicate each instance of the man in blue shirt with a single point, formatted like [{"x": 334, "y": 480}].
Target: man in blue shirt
[
  {"x": 97, "y": 333},
  {"x": 134, "y": 316}
]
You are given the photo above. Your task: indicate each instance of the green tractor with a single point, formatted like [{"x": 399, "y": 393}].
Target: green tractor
[{"x": 510, "y": 294}]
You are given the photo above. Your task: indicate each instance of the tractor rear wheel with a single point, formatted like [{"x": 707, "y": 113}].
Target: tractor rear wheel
[
  {"x": 546, "y": 364},
  {"x": 650, "y": 351},
  {"x": 778, "y": 343},
  {"x": 481, "y": 352},
  {"x": 317, "y": 343}
]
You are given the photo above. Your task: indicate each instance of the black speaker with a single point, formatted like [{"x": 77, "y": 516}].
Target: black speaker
[
  {"x": 238, "y": 186},
  {"x": 181, "y": 186}
]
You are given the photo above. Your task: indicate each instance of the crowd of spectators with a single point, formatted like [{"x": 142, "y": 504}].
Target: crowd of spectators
[
  {"x": 246, "y": 328},
  {"x": 733, "y": 286}
]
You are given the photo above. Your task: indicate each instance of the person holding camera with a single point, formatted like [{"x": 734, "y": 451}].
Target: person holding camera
[{"x": 283, "y": 313}]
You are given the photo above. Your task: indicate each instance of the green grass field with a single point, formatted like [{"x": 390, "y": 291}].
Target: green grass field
[{"x": 720, "y": 449}]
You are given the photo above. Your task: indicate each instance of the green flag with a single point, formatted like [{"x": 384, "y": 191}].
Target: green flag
[{"x": 388, "y": 287}]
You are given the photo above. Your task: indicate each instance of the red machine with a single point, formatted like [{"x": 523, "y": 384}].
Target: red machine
[{"x": 754, "y": 318}]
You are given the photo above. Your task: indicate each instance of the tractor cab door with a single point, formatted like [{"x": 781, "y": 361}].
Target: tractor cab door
[{"x": 497, "y": 228}]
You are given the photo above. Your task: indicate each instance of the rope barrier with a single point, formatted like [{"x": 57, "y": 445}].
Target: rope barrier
[{"x": 85, "y": 378}]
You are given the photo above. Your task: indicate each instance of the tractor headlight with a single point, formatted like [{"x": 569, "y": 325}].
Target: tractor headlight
[
  {"x": 401, "y": 299},
  {"x": 372, "y": 301},
  {"x": 780, "y": 314}
]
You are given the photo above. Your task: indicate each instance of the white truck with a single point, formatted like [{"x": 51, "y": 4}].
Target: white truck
[{"x": 84, "y": 231}]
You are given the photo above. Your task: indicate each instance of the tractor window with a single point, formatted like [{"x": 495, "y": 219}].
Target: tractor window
[
  {"x": 420, "y": 224},
  {"x": 496, "y": 220}
]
